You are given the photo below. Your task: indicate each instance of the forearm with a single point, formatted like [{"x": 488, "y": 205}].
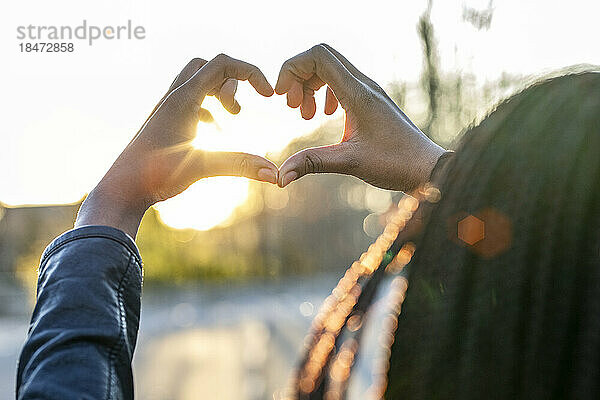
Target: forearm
[{"x": 84, "y": 326}]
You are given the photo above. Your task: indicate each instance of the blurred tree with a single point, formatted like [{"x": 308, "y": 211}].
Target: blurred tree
[
  {"x": 430, "y": 78},
  {"x": 480, "y": 19}
]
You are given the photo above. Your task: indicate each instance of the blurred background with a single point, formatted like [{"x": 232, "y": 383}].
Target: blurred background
[{"x": 234, "y": 269}]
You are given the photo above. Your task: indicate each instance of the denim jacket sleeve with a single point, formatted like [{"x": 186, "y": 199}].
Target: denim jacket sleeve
[{"x": 85, "y": 323}]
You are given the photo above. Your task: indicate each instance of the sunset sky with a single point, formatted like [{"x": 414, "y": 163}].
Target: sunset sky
[{"x": 65, "y": 117}]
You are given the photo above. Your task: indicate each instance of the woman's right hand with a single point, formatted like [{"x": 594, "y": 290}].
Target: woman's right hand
[{"x": 380, "y": 144}]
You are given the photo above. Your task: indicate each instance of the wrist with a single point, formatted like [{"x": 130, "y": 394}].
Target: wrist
[
  {"x": 431, "y": 156},
  {"x": 422, "y": 160},
  {"x": 109, "y": 206}
]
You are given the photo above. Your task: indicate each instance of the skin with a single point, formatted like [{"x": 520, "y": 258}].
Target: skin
[
  {"x": 160, "y": 162},
  {"x": 380, "y": 144}
]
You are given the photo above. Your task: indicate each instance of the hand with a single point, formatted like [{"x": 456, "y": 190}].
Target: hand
[
  {"x": 380, "y": 145},
  {"x": 160, "y": 162}
]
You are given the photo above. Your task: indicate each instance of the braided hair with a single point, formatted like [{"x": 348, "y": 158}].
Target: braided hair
[
  {"x": 504, "y": 298},
  {"x": 504, "y": 287}
]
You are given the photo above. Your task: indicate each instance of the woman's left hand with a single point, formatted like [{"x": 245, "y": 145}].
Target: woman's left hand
[{"x": 161, "y": 162}]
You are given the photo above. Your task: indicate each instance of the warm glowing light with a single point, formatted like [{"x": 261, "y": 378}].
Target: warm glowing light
[
  {"x": 211, "y": 201},
  {"x": 337, "y": 309},
  {"x": 471, "y": 230},
  {"x": 205, "y": 204}
]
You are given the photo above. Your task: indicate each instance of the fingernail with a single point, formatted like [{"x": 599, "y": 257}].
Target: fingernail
[
  {"x": 267, "y": 175},
  {"x": 288, "y": 177}
]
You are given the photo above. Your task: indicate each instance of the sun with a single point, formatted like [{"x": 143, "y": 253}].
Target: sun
[
  {"x": 210, "y": 201},
  {"x": 256, "y": 129},
  {"x": 206, "y": 204}
]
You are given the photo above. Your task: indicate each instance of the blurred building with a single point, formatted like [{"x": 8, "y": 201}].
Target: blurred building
[{"x": 24, "y": 233}]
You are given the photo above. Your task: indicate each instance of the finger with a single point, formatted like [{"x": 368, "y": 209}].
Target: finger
[
  {"x": 336, "y": 158},
  {"x": 331, "y": 102},
  {"x": 349, "y": 66},
  {"x": 314, "y": 82},
  {"x": 187, "y": 72},
  {"x": 295, "y": 95},
  {"x": 190, "y": 69},
  {"x": 217, "y": 163},
  {"x": 355, "y": 71},
  {"x": 205, "y": 116},
  {"x": 236, "y": 107},
  {"x": 222, "y": 67},
  {"x": 321, "y": 62},
  {"x": 227, "y": 96},
  {"x": 308, "y": 108}
]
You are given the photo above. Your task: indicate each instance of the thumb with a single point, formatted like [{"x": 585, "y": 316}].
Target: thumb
[
  {"x": 337, "y": 158},
  {"x": 221, "y": 163}
]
